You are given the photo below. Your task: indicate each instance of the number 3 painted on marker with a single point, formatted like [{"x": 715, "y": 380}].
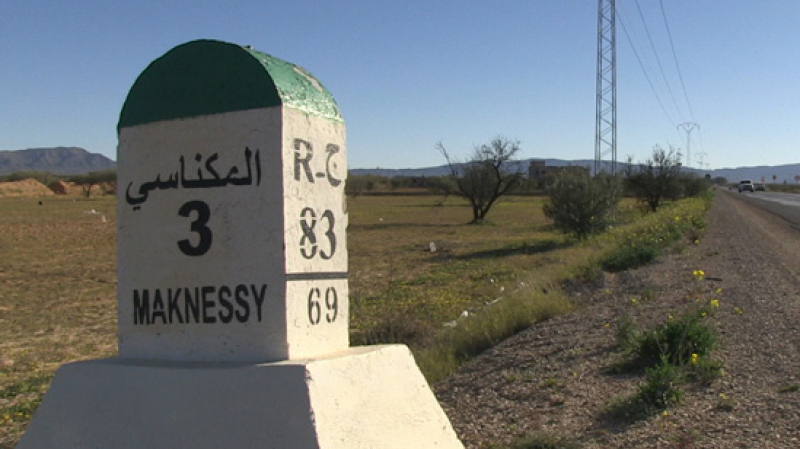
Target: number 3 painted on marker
[{"x": 198, "y": 226}]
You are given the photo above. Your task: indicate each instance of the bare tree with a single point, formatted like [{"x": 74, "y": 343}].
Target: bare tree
[
  {"x": 489, "y": 174},
  {"x": 657, "y": 179}
]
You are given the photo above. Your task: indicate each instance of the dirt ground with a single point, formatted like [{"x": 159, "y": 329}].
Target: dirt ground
[{"x": 554, "y": 378}]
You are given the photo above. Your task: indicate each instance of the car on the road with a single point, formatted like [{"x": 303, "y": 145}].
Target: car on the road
[
  {"x": 746, "y": 185},
  {"x": 760, "y": 187}
]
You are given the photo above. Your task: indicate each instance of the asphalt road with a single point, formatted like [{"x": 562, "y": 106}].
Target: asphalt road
[{"x": 784, "y": 205}]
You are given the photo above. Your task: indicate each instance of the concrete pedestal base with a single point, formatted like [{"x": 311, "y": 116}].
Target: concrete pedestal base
[{"x": 368, "y": 397}]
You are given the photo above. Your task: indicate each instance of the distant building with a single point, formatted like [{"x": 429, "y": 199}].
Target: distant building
[{"x": 538, "y": 169}]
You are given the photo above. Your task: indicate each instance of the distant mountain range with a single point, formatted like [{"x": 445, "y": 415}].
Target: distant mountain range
[
  {"x": 74, "y": 160},
  {"x": 782, "y": 173},
  {"x": 60, "y": 161}
]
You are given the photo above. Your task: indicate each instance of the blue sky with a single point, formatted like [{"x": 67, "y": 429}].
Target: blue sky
[{"x": 408, "y": 74}]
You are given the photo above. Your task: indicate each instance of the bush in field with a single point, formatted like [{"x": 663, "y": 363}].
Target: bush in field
[
  {"x": 693, "y": 185},
  {"x": 580, "y": 204},
  {"x": 657, "y": 179}
]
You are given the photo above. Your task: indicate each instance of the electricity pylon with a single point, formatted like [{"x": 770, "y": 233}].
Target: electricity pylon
[
  {"x": 688, "y": 127},
  {"x": 605, "y": 141}
]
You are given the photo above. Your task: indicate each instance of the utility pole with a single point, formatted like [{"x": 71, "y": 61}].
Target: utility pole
[
  {"x": 688, "y": 127},
  {"x": 605, "y": 142}
]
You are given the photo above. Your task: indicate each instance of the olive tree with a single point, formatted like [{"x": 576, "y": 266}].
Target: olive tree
[
  {"x": 490, "y": 173},
  {"x": 580, "y": 204}
]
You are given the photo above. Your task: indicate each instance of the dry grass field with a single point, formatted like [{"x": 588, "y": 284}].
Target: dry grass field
[
  {"x": 415, "y": 263},
  {"x": 58, "y": 273},
  {"x": 417, "y": 271},
  {"x": 58, "y": 296}
]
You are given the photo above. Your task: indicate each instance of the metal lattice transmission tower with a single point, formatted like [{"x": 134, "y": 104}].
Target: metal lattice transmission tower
[
  {"x": 605, "y": 143},
  {"x": 688, "y": 127}
]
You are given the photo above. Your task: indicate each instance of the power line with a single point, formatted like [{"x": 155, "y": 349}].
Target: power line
[
  {"x": 675, "y": 57},
  {"x": 658, "y": 60},
  {"x": 646, "y": 75}
]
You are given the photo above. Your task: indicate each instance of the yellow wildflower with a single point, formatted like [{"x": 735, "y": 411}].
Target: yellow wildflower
[
  {"x": 694, "y": 358},
  {"x": 714, "y": 303}
]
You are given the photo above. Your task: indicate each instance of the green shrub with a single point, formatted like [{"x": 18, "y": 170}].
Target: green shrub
[
  {"x": 580, "y": 204},
  {"x": 661, "y": 386},
  {"x": 627, "y": 333},
  {"x": 676, "y": 341},
  {"x": 693, "y": 185},
  {"x": 629, "y": 255},
  {"x": 704, "y": 370}
]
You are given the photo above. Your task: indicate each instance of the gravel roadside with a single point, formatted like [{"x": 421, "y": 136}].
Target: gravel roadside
[{"x": 553, "y": 378}]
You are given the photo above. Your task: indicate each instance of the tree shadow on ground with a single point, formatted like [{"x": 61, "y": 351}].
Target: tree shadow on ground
[{"x": 541, "y": 246}]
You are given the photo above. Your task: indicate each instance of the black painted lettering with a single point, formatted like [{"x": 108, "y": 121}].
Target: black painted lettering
[
  {"x": 224, "y": 296},
  {"x": 258, "y": 298},
  {"x": 173, "y": 296},
  {"x": 241, "y": 299},
  {"x": 308, "y": 242},
  {"x": 198, "y": 226},
  {"x": 314, "y": 309},
  {"x": 208, "y": 304},
  {"x": 200, "y": 305},
  {"x": 331, "y": 149},
  {"x": 332, "y": 304},
  {"x": 158, "y": 308},
  {"x": 192, "y": 305},
  {"x": 141, "y": 307},
  {"x": 303, "y": 152}
]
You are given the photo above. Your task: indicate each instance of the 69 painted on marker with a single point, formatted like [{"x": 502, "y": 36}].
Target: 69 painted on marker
[{"x": 317, "y": 300}]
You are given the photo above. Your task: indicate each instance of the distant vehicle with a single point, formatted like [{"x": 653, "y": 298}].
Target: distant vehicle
[
  {"x": 746, "y": 185},
  {"x": 760, "y": 187}
]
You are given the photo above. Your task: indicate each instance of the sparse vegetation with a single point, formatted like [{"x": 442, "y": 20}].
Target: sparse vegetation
[
  {"x": 671, "y": 354},
  {"x": 661, "y": 179},
  {"x": 581, "y": 204},
  {"x": 91, "y": 179},
  {"x": 449, "y": 301},
  {"x": 677, "y": 340}
]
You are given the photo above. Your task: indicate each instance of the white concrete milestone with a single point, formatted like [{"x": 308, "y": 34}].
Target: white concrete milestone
[
  {"x": 363, "y": 398},
  {"x": 232, "y": 266},
  {"x": 231, "y": 221}
]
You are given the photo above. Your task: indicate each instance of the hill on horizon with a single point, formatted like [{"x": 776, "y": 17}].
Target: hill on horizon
[
  {"x": 782, "y": 173},
  {"x": 58, "y": 160}
]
